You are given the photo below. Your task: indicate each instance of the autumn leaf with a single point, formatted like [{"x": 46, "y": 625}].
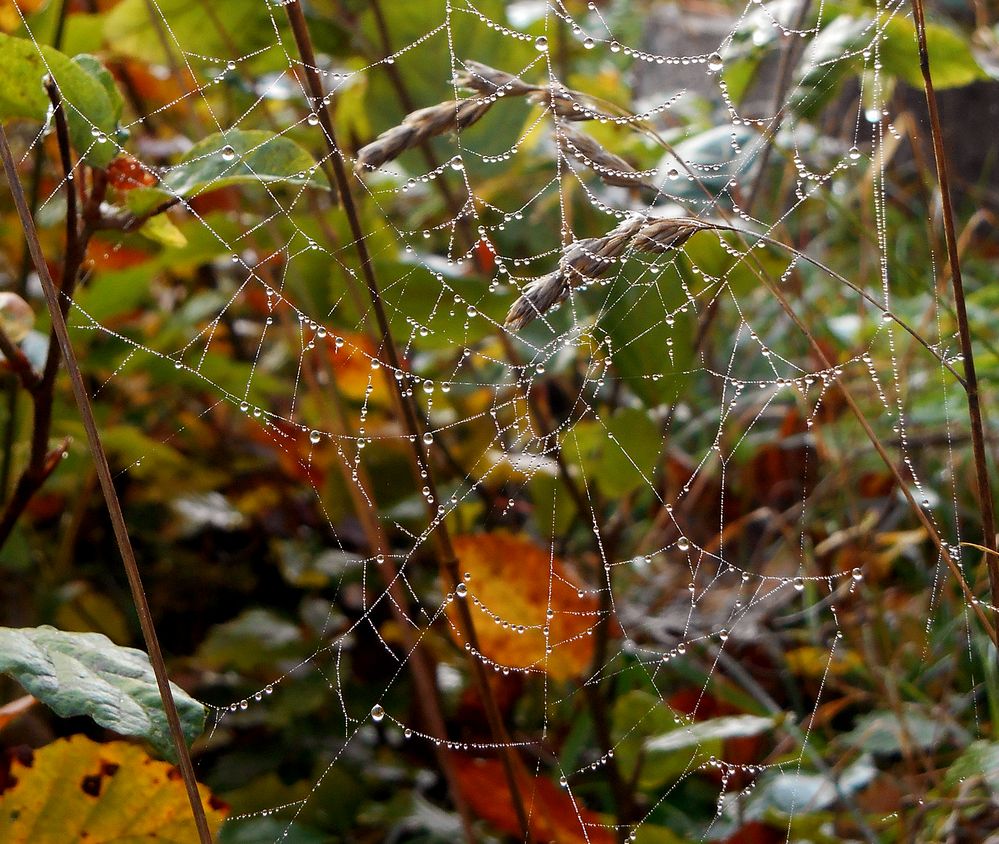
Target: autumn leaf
[
  {"x": 555, "y": 815},
  {"x": 15, "y": 709},
  {"x": 78, "y": 790},
  {"x": 351, "y": 360},
  {"x": 516, "y": 589}
]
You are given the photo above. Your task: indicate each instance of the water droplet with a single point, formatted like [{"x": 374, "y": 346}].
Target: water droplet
[
  {"x": 541, "y": 44},
  {"x": 228, "y": 153},
  {"x": 313, "y": 119},
  {"x": 715, "y": 63},
  {"x": 799, "y": 583},
  {"x": 683, "y": 543},
  {"x": 857, "y": 574},
  {"x": 588, "y": 43},
  {"x": 461, "y": 590},
  {"x": 428, "y": 438},
  {"x": 315, "y": 437},
  {"x": 377, "y": 712}
]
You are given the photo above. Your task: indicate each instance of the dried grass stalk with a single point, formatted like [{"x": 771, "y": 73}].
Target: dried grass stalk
[
  {"x": 565, "y": 104},
  {"x": 418, "y": 126},
  {"x": 484, "y": 79},
  {"x": 592, "y": 257},
  {"x": 612, "y": 169}
]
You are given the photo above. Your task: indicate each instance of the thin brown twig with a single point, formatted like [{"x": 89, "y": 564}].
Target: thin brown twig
[
  {"x": 964, "y": 329},
  {"x": 19, "y": 363},
  {"x": 445, "y": 549},
  {"x": 42, "y": 462},
  {"x": 419, "y": 660},
  {"x": 52, "y": 298},
  {"x": 780, "y": 108},
  {"x": 34, "y": 189}
]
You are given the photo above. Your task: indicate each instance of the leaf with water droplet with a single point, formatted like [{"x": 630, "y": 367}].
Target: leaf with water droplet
[
  {"x": 235, "y": 157},
  {"x": 92, "y": 101}
]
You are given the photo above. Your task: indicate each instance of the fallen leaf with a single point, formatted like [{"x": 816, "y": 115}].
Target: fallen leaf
[
  {"x": 555, "y": 815},
  {"x": 15, "y": 709},
  {"x": 514, "y": 586},
  {"x": 78, "y": 790}
]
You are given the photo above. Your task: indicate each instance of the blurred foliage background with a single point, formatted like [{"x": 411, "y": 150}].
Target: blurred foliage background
[{"x": 785, "y": 656}]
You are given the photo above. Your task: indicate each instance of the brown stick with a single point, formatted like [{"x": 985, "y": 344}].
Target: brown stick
[
  {"x": 420, "y": 661},
  {"x": 779, "y": 107},
  {"x": 445, "y": 549},
  {"x": 107, "y": 485},
  {"x": 41, "y": 462},
  {"x": 957, "y": 282}
]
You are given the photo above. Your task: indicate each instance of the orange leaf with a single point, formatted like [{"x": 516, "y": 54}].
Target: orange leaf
[
  {"x": 554, "y": 815},
  {"x": 514, "y": 585},
  {"x": 485, "y": 257},
  {"x": 126, "y": 173},
  {"x": 15, "y": 709},
  {"x": 10, "y": 17},
  {"x": 351, "y": 361}
]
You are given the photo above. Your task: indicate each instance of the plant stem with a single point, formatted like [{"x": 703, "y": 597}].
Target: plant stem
[
  {"x": 419, "y": 659},
  {"x": 964, "y": 330},
  {"x": 52, "y": 298},
  {"x": 779, "y": 107},
  {"x": 445, "y": 549},
  {"x": 42, "y": 462}
]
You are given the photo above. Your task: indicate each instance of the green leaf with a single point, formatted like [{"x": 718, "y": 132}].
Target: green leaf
[
  {"x": 131, "y": 29},
  {"x": 256, "y": 638},
  {"x": 951, "y": 61},
  {"x": 637, "y": 715},
  {"x": 255, "y": 157},
  {"x": 882, "y": 732},
  {"x": 619, "y": 454},
  {"x": 651, "y": 338},
  {"x": 790, "y": 794},
  {"x": 87, "y": 674},
  {"x": 93, "y": 68},
  {"x": 90, "y": 107},
  {"x": 268, "y": 830},
  {"x": 160, "y": 229},
  {"x": 980, "y": 759},
  {"x": 714, "y": 729}
]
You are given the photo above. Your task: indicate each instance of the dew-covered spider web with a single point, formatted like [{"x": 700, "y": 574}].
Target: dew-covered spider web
[{"x": 641, "y": 266}]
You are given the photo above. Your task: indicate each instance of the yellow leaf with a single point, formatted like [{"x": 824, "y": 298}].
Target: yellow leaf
[
  {"x": 160, "y": 229},
  {"x": 811, "y": 661},
  {"x": 76, "y": 790},
  {"x": 514, "y": 584}
]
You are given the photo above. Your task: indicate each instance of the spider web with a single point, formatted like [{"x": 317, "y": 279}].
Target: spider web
[{"x": 686, "y": 574}]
